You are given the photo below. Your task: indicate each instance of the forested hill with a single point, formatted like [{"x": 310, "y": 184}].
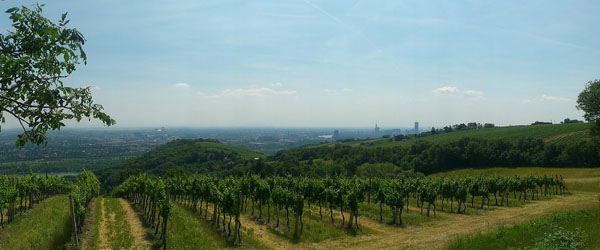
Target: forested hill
[
  {"x": 183, "y": 155},
  {"x": 559, "y": 145}
]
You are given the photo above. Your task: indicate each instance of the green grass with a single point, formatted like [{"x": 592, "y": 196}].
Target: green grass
[
  {"x": 531, "y": 233},
  {"x": 46, "y": 226},
  {"x": 93, "y": 239},
  {"x": 116, "y": 222},
  {"x": 189, "y": 230},
  {"x": 555, "y": 133}
]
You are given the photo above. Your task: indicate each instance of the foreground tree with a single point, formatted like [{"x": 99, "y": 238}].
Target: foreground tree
[
  {"x": 35, "y": 58},
  {"x": 589, "y": 102}
]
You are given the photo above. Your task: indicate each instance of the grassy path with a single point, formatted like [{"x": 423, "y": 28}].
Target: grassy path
[
  {"x": 46, "y": 226},
  {"x": 117, "y": 226},
  {"x": 135, "y": 226}
]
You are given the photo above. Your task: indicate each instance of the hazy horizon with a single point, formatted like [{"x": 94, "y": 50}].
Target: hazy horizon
[{"x": 329, "y": 64}]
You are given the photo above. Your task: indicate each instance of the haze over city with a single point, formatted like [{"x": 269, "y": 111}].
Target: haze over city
[{"x": 332, "y": 63}]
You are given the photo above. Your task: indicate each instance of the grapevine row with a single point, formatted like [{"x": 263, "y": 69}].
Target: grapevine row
[
  {"x": 230, "y": 196},
  {"x": 20, "y": 193},
  {"x": 149, "y": 193},
  {"x": 82, "y": 192}
]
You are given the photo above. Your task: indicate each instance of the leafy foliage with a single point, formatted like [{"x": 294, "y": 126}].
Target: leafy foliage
[
  {"x": 86, "y": 188},
  {"x": 36, "y": 56},
  {"x": 427, "y": 157},
  {"x": 589, "y": 102}
]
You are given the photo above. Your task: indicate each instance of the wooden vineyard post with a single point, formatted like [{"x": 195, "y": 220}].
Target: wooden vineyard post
[{"x": 73, "y": 220}]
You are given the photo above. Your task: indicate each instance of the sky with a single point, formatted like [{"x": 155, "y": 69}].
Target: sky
[{"x": 329, "y": 63}]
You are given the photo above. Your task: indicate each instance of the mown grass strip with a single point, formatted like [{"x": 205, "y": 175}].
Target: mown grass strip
[
  {"x": 559, "y": 228},
  {"x": 92, "y": 237},
  {"x": 118, "y": 227},
  {"x": 186, "y": 231},
  {"x": 46, "y": 226}
]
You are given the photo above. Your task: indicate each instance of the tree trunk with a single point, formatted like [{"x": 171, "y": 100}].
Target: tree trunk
[
  {"x": 381, "y": 211},
  {"x": 287, "y": 215},
  {"x": 428, "y": 208},
  {"x": 296, "y": 227}
]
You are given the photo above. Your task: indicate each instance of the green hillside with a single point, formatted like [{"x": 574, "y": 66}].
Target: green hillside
[
  {"x": 183, "y": 156},
  {"x": 553, "y": 133},
  {"x": 559, "y": 145}
]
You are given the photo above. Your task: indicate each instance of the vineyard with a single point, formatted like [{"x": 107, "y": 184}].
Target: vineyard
[
  {"x": 19, "y": 194},
  {"x": 226, "y": 199}
]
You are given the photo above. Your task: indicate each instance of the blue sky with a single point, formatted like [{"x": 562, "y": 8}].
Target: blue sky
[{"x": 333, "y": 63}]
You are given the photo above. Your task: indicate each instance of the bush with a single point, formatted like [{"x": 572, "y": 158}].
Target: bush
[{"x": 562, "y": 239}]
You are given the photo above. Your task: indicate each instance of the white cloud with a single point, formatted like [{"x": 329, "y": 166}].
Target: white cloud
[
  {"x": 181, "y": 85},
  {"x": 337, "y": 92},
  {"x": 253, "y": 92},
  {"x": 555, "y": 98},
  {"x": 545, "y": 98},
  {"x": 331, "y": 92},
  {"x": 277, "y": 84},
  {"x": 446, "y": 90},
  {"x": 97, "y": 88},
  {"x": 529, "y": 101},
  {"x": 474, "y": 93}
]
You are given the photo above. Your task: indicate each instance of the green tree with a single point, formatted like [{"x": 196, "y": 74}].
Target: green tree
[
  {"x": 378, "y": 170},
  {"x": 36, "y": 56},
  {"x": 589, "y": 102}
]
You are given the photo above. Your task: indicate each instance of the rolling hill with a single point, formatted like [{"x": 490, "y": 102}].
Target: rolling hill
[
  {"x": 183, "y": 155},
  {"x": 552, "y": 133},
  {"x": 558, "y": 145}
]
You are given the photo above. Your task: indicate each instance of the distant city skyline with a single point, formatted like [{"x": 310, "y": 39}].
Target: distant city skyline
[{"x": 335, "y": 64}]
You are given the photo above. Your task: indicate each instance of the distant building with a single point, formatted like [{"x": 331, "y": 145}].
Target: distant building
[
  {"x": 336, "y": 134},
  {"x": 416, "y": 127},
  {"x": 376, "y": 129}
]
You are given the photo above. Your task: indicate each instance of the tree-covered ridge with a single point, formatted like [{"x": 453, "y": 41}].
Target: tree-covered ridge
[
  {"x": 428, "y": 157},
  {"x": 184, "y": 155}
]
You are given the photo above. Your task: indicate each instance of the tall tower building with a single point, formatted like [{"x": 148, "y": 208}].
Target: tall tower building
[
  {"x": 416, "y": 127},
  {"x": 376, "y": 129}
]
